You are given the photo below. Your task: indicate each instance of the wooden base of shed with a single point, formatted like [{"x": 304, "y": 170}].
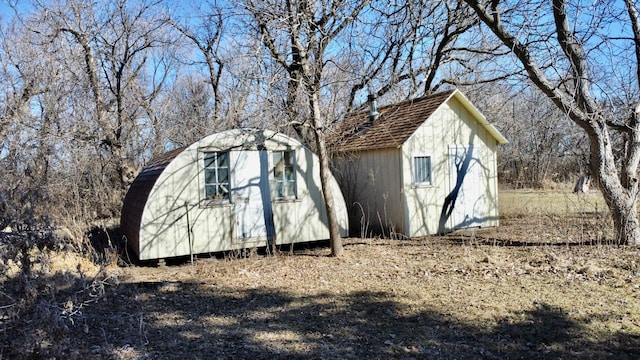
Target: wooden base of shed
[{"x": 273, "y": 250}]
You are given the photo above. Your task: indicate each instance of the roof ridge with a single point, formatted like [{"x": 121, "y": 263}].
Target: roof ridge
[
  {"x": 418, "y": 99},
  {"x": 392, "y": 127},
  {"x": 364, "y": 109}
]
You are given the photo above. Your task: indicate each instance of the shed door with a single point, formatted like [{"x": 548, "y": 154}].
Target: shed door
[
  {"x": 466, "y": 187},
  {"x": 250, "y": 195}
]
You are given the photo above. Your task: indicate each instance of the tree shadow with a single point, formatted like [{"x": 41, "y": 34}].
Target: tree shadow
[
  {"x": 477, "y": 240},
  {"x": 172, "y": 320}
]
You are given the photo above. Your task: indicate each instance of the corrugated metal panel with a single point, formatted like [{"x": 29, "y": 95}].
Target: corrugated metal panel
[{"x": 138, "y": 193}]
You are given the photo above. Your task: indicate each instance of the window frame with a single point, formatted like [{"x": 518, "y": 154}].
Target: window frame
[
  {"x": 282, "y": 178},
  {"x": 219, "y": 198},
  {"x": 414, "y": 170}
]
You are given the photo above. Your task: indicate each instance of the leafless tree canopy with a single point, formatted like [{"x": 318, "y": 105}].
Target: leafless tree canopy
[{"x": 584, "y": 58}]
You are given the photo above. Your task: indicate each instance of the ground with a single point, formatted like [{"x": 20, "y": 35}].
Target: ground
[{"x": 545, "y": 284}]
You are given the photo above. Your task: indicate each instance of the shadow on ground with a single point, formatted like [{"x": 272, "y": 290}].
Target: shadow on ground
[{"x": 174, "y": 320}]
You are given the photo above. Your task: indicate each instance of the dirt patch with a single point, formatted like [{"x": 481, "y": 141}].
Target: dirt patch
[{"x": 491, "y": 294}]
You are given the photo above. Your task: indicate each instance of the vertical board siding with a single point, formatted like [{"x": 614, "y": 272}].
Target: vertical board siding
[
  {"x": 371, "y": 183},
  {"x": 374, "y": 162}
]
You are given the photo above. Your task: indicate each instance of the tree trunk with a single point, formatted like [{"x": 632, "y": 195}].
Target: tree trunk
[
  {"x": 335, "y": 239},
  {"x": 619, "y": 186},
  {"x": 622, "y": 202},
  {"x": 625, "y": 219}
]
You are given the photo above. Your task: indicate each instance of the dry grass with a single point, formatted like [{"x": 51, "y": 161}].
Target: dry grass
[
  {"x": 514, "y": 203},
  {"x": 546, "y": 284}
]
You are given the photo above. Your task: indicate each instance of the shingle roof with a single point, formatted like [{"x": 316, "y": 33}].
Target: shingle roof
[{"x": 395, "y": 124}]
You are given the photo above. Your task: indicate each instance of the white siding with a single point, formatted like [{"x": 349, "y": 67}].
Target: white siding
[
  {"x": 448, "y": 126},
  {"x": 176, "y": 194}
]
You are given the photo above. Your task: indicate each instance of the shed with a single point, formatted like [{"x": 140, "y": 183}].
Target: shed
[
  {"x": 419, "y": 167},
  {"x": 231, "y": 190}
]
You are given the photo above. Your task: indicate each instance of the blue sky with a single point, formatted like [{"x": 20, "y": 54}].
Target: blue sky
[{"x": 6, "y": 10}]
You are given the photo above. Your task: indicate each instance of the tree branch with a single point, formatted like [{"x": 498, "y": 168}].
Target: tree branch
[
  {"x": 537, "y": 76},
  {"x": 577, "y": 57}
]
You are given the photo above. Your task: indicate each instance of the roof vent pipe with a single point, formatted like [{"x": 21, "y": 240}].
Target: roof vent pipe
[{"x": 373, "y": 107}]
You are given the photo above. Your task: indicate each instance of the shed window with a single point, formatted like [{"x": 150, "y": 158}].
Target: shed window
[
  {"x": 284, "y": 175},
  {"x": 422, "y": 170},
  {"x": 216, "y": 175}
]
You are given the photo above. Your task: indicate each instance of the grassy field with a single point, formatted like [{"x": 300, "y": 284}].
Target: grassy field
[
  {"x": 515, "y": 203},
  {"x": 546, "y": 284}
]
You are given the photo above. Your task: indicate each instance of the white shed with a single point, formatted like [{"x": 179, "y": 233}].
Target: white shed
[
  {"x": 231, "y": 190},
  {"x": 419, "y": 167}
]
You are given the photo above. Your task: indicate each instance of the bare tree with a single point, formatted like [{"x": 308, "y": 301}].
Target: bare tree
[
  {"x": 331, "y": 51},
  {"x": 21, "y": 74},
  {"x": 25, "y": 135},
  {"x": 190, "y": 114},
  {"x": 298, "y": 35},
  {"x": 404, "y": 48},
  {"x": 566, "y": 51},
  {"x": 205, "y": 30},
  {"x": 108, "y": 49},
  {"x": 544, "y": 147}
]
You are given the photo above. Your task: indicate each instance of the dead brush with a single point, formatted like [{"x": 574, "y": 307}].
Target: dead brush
[
  {"x": 590, "y": 221},
  {"x": 46, "y": 287},
  {"x": 58, "y": 304}
]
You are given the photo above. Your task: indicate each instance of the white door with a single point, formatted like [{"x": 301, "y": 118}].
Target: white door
[
  {"x": 250, "y": 195},
  {"x": 467, "y": 187}
]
